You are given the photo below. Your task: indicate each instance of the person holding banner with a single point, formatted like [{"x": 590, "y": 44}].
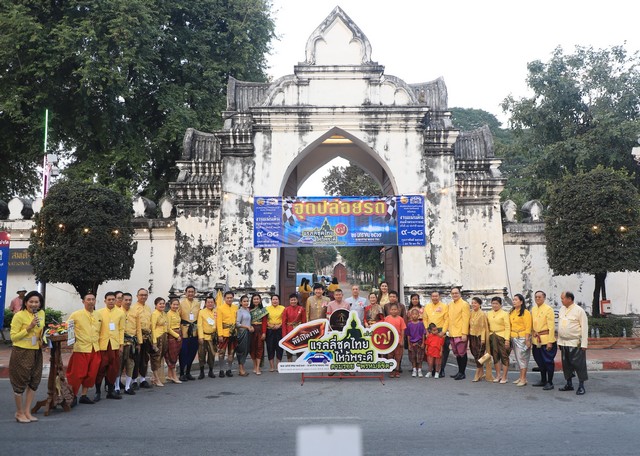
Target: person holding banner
[
  {"x": 292, "y": 316},
  {"x": 274, "y": 332},
  {"x": 25, "y": 364}
]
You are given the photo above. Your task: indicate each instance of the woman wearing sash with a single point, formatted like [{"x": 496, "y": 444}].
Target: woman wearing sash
[
  {"x": 244, "y": 328},
  {"x": 158, "y": 339},
  {"x": 479, "y": 338},
  {"x": 521, "y": 322},
  {"x": 374, "y": 312},
  {"x": 259, "y": 334},
  {"x": 174, "y": 341}
]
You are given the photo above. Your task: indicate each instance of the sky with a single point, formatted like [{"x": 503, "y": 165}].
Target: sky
[{"x": 481, "y": 49}]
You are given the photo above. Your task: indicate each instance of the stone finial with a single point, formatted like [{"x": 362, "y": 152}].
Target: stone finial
[
  {"x": 20, "y": 208},
  {"x": 167, "y": 209},
  {"x": 532, "y": 211},
  {"x": 144, "y": 207},
  {"x": 509, "y": 211},
  {"x": 37, "y": 205}
]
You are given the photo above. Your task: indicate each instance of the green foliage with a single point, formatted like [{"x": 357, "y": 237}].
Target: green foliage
[
  {"x": 83, "y": 236},
  {"x": 584, "y": 112},
  {"x": 593, "y": 224},
  {"x": 8, "y": 316},
  {"x": 611, "y": 326},
  {"x": 314, "y": 259},
  {"x": 122, "y": 81},
  {"x": 52, "y": 316},
  {"x": 364, "y": 261},
  {"x": 350, "y": 181}
]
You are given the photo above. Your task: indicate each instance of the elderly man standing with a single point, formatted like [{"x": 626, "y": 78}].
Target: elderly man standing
[
  {"x": 85, "y": 359},
  {"x": 357, "y": 302},
  {"x": 543, "y": 336},
  {"x": 573, "y": 333}
]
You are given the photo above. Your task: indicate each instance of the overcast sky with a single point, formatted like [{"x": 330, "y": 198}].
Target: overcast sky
[{"x": 481, "y": 49}]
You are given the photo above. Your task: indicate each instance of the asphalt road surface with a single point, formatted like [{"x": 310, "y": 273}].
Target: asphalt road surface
[{"x": 260, "y": 416}]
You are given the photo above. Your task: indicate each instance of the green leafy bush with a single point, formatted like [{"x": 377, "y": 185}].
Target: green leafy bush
[{"x": 611, "y": 326}]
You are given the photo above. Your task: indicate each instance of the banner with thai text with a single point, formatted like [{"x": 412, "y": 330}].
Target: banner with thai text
[
  {"x": 352, "y": 221},
  {"x": 340, "y": 344}
]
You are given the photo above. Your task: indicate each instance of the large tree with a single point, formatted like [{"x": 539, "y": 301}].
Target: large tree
[
  {"x": 350, "y": 181},
  {"x": 584, "y": 111},
  {"x": 83, "y": 236},
  {"x": 593, "y": 226},
  {"x": 123, "y": 80}
]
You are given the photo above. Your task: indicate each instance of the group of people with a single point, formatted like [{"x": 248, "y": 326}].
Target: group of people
[{"x": 122, "y": 338}]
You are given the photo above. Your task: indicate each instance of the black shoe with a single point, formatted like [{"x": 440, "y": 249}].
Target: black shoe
[
  {"x": 221, "y": 374},
  {"x": 189, "y": 376},
  {"x": 566, "y": 387},
  {"x": 540, "y": 383},
  {"x": 145, "y": 385},
  {"x": 211, "y": 374},
  {"x": 454, "y": 376},
  {"x": 547, "y": 387},
  {"x": 535, "y": 369},
  {"x": 229, "y": 373},
  {"x": 113, "y": 395},
  {"x": 201, "y": 376},
  {"x": 85, "y": 400},
  {"x": 97, "y": 397},
  {"x": 460, "y": 376},
  {"x": 135, "y": 386},
  {"x": 74, "y": 402},
  {"x": 130, "y": 392},
  {"x": 580, "y": 391},
  {"x": 441, "y": 373},
  {"x": 183, "y": 378}
]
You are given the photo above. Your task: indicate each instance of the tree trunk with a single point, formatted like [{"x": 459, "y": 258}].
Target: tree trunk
[{"x": 599, "y": 290}]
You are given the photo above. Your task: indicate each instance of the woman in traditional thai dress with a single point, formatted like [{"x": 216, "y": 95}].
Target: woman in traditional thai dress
[
  {"x": 244, "y": 329},
  {"x": 159, "y": 325},
  {"x": 479, "y": 338},
  {"x": 374, "y": 312},
  {"x": 521, "y": 323},
  {"x": 174, "y": 341},
  {"x": 259, "y": 316}
]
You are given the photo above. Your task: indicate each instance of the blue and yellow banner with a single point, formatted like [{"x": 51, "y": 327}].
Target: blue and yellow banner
[
  {"x": 352, "y": 221},
  {"x": 4, "y": 268}
]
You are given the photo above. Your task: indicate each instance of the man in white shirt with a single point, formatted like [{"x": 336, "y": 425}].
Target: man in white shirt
[
  {"x": 573, "y": 333},
  {"x": 357, "y": 302}
]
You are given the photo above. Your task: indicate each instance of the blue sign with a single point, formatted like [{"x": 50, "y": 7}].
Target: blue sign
[
  {"x": 339, "y": 221},
  {"x": 4, "y": 268}
]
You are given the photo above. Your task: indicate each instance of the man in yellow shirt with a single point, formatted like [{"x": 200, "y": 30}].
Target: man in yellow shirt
[
  {"x": 207, "y": 336},
  {"x": 573, "y": 333},
  {"x": 142, "y": 312},
  {"x": 132, "y": 334},
  {"x": 437, "y": 312},
  {"x": 459, "y": 316},
  {"x": 189, "y": 310},
  {"x": 85, "y": 359},
  {"x": 543, "y": 337},
  {"x": 226, "y": 328},
  {"x": 111, "y": 343}
]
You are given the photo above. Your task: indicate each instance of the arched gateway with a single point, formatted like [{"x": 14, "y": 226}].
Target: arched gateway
[{"x": 338, "y": 102}]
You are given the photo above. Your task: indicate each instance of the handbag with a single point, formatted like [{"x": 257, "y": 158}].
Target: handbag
[{"x": 484, "y": 358}]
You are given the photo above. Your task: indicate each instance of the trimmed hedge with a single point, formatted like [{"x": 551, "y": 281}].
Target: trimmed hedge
[{"x": 611, "y": 326}]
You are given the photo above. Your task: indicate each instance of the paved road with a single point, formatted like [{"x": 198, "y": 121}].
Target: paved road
[{"x": 260, "y": 415}]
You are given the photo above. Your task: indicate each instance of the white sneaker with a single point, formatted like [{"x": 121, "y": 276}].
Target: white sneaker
[
  {"x": 414, "y": 372},
  {"x": 429, "y": 375},
  {"x": 437, "y": 375},
  {"x": 419, "y": 372}
]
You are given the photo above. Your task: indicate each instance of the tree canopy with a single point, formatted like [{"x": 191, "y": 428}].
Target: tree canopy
[
  {"x": 585, "y": 111},
  {"x": 123, "y": 80},
  {"x": 593, "y": 226},
  {"x": 350, "y": 181},
  {"x": 83, "y": 236}
]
